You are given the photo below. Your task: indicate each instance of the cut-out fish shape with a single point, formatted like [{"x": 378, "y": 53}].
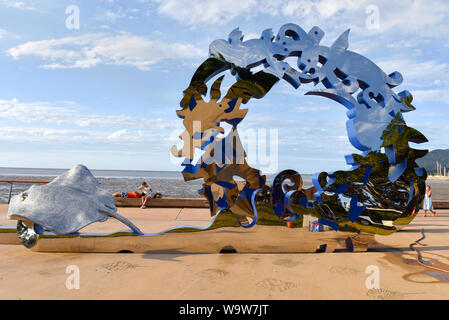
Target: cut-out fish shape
[{"x": 67, "y": 204}]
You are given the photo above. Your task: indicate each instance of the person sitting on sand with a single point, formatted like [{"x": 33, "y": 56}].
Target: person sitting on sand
[
  {"x": 134, "y": 194},
  {"x": 147, "y": 193},
  {"x": 428, "y": 206}
]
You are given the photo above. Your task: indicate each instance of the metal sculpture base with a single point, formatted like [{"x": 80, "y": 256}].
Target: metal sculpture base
[
  {"x": 8, "y": 235},
  {"x": 215, "y": 239}
]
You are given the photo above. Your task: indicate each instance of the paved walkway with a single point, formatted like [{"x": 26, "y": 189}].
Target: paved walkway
[
  {"x": 148, "y": 220},
  {"x": 29, "y": 275}
]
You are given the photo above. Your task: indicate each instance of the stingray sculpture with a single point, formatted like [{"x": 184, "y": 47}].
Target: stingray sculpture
[{"x": 67, "y": 204}]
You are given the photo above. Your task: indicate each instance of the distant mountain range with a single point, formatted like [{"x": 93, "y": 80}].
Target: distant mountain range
[{"x": 429, "y": 162}]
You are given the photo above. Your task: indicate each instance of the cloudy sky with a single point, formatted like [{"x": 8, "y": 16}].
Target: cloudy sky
[{"x": 105, "y": 94}]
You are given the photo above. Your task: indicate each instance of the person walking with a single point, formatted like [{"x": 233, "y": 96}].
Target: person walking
[{"x": 428, "y": 206}]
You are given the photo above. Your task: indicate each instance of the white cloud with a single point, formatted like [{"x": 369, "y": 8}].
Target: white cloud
[
  {"x": 437, "y": 95},
  {"x": 42, "y": 134},
  {"x": 219, "y": 12},
  {"x": 417, "y": 72},
  {"x": 66, "y": 112},
  {"x": 407, "y": 16},
  {"x": 19, "y": 5},
  {"x": 93, "y": 49},
  {"x": 312, "y": 109},
  {"x": 215, "y": 12},
  {"x": 4, "y": 33},
  {"x": 408, "y": 43},
  {"x": 80, "y": 138},
  {"x": 111, "y": 16},
  {"x": 71, "y": 128},
  {"x": 117, "y": 14},
  {"x": 118, "y": 134},
  {"x": 416, "y": 16}
]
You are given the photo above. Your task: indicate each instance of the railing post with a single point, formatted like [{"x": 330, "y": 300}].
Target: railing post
[
  {"x": 11, "y": 182},
  {"x": 10, "y": 191}
]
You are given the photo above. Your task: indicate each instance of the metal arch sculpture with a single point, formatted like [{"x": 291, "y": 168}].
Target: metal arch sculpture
[{"x": 381, "y": 189}]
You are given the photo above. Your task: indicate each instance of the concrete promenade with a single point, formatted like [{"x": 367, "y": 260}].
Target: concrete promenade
[{"x": 30, "y": 275}]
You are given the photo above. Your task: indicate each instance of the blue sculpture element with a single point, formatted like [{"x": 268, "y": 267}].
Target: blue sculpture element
[
  {"x": 378, "y": 189},
  {"x": 342, "y": 72}
]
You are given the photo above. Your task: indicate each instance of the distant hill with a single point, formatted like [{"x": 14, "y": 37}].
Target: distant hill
[{"x": 429, "y": 162}]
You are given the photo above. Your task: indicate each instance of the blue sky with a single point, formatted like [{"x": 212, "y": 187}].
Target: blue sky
[{"x": 105, "y": 95}]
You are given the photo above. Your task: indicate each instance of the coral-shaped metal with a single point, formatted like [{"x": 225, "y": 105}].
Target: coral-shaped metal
[{"x": 384, "y": 186}]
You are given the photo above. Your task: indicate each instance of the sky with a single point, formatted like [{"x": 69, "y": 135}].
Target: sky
[{"x": 104, "y": 93}]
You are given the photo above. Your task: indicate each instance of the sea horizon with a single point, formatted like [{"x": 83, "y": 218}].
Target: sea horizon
[
  {"x": 100, "y": 173},
  {"x": 107, "y": 173}
]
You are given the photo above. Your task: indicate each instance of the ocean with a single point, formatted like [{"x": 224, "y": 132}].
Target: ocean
[{"x": 168, "y": 183}]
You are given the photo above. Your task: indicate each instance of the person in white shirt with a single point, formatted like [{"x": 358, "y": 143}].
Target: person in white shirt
[{"x": 147, "y": 193}]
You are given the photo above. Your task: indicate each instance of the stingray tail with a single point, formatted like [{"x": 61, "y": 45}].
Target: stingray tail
[{"x": 125, "y": 221}]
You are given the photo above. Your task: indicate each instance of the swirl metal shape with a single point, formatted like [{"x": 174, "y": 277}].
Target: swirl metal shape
[{"x": 384, "y": 186}]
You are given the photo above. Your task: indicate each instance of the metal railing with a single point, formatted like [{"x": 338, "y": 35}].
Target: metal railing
[{"x": 11, "y": 183}]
